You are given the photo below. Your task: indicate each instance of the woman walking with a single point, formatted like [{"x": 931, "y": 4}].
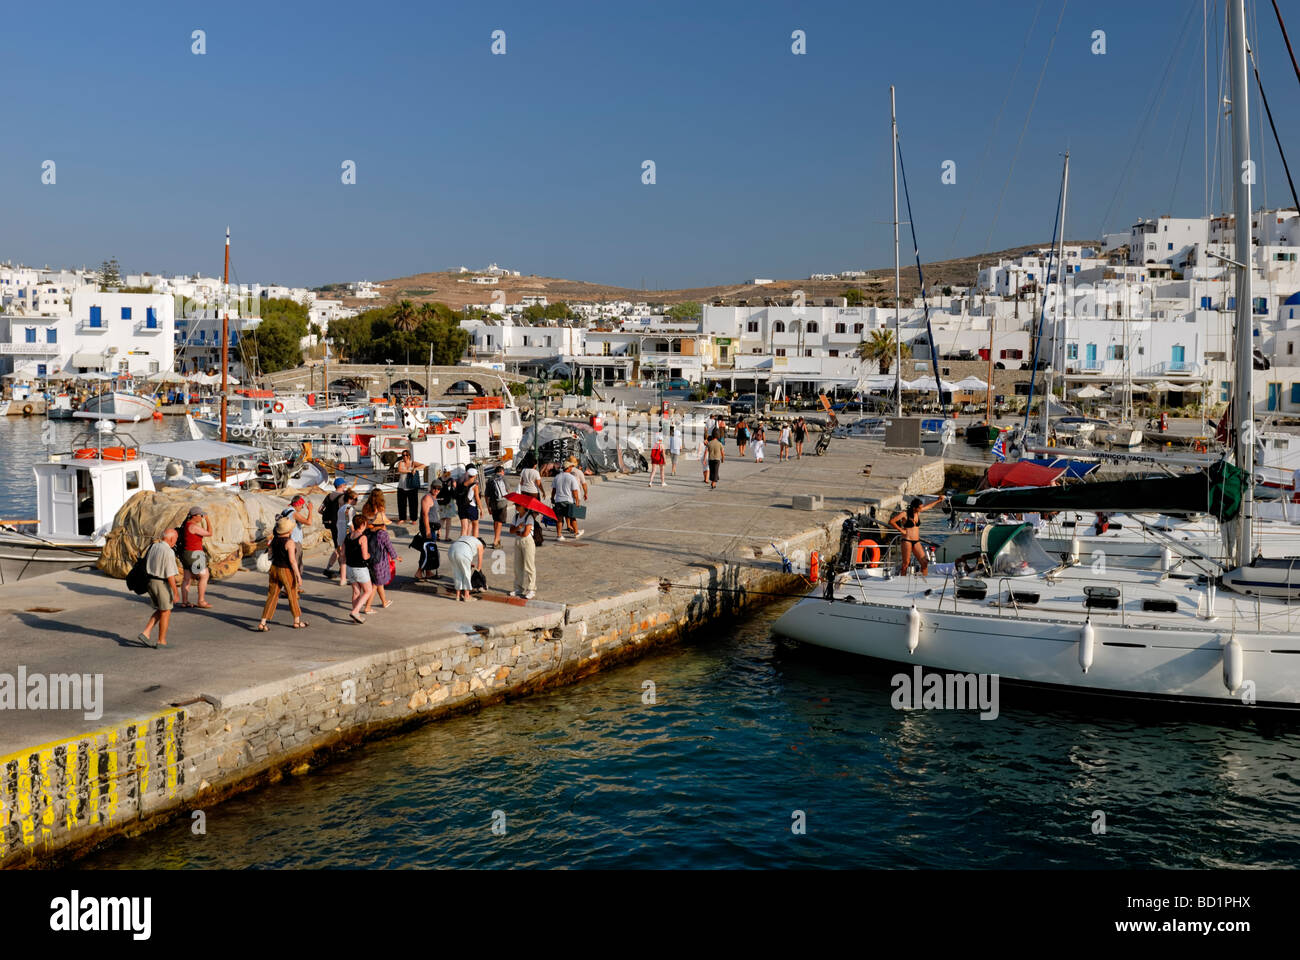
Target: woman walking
[
  {"x": 408, "y": 487},
  {"x": 284, "y": 575},
  {"x": 343, "y": 527},
  {"x": 742, "y": 437},
  {"x": 657, "y": 461},
  {"x": 760, "y": 438},
  {"x": 356, "y": 555},
  {"x": 674, "y": 446},
  {"x": 300, "y": 519},
  {"x": 466, "y": 556},
  {"x": 800, "y": 431},
  {"x": 383, "y": 561},
  {"x": 194, "y": 561},
  {"x": 467, "y": 503},
  {"x": 375, "y": 505},
  {"x": 702, "y": 451},
  {"x": 784, "y": 452}
]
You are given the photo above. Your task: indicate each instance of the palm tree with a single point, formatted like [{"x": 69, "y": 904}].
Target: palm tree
[
  {"x": 428, "y": 312},
  {"x": 405, "y": 317},
  {"x": 880, "y": 348}
]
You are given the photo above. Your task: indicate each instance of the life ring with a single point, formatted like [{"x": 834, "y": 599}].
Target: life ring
[
  {"x": 261, "y": 433},
  {"x": 863, "y": 546},
  {"x": 451, "y": 444},
  {"x": 1051, "y": 441},
  {"x": 278, "y": 408},
  {"x": 27, "y": 410}
]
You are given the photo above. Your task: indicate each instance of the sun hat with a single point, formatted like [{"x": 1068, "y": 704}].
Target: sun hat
[{"x": 284, "y": 525}]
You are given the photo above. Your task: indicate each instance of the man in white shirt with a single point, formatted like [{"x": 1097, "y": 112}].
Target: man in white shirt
[{"x": 566, "y": 493}]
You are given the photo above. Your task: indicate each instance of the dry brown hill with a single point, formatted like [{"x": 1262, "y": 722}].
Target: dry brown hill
[{"x": 452, "y": 289}]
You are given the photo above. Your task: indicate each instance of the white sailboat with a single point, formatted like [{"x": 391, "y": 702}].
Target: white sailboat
[{"x": 1228, "y": 640}]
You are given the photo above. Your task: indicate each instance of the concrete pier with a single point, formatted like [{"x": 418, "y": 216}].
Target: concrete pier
[{"x": 224, "y": 708}]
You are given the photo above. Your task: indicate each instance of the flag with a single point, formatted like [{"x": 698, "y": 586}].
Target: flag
[{"x": 1000, "y": 447}]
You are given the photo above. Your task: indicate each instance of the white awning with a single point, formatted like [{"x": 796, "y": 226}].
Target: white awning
[
  {"x": 192, "y": 451},
  {"x": 86, "y": 360}
]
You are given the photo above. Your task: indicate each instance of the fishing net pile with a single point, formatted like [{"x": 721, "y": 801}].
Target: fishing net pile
[{"x": 241, "y": 523}]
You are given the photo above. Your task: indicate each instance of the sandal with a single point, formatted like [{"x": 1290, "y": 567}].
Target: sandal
[
  {"x": 261, "y": 628},
  {"x": 204, "y": 605},
  {"x": 185, "y": 603},
  {"x": 301, "y": 624}
]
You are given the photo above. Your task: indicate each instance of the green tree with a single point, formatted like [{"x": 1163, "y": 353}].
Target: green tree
[
  {"x": 275, "y": 344},
  {"x": 292, "y": 313},
  {"x": 879, "y": 347},
  {"x": 405, "y": 317},
  {"x": 685, "y": 312},
  {"x": 110, "y": 275},
  {"x": 854, "y": 297}
]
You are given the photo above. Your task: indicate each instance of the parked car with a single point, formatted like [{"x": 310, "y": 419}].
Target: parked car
[
  {"x": 678, "y": 383},
  {"x": 746, "y": 403}
]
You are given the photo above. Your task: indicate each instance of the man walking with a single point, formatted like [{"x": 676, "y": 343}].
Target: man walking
[
  {"x": 566, "y": 495},
  {"x": 497, "y": 503},
  {"x": 329, "y": 517},
  {"x": 161, "y": 565},
  {"x": 716, "y": 454}
]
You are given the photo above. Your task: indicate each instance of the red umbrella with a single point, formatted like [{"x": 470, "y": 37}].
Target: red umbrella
[{"x": 527, "y": 501}]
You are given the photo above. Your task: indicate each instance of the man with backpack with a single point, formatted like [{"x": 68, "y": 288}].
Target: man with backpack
[
  {"x": 497, "y": 503},
  {"x": 329, "y": 515},
  {"x": 162, "y": 569}
]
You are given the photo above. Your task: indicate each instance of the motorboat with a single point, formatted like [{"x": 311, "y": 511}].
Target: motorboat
[{"x": 120, "y": 406}]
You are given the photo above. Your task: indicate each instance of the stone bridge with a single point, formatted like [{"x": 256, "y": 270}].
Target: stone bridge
[{"x": 376, "y": 377}]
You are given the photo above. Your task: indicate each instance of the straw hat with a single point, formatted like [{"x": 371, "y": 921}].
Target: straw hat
[
  {"x": 284, "y": 525},
  {"x": 379, "y": 520}
]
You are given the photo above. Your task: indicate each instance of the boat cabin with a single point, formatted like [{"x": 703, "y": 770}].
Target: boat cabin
[{"x": 78, "y": 496}]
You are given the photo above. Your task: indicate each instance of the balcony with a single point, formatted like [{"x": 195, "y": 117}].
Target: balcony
[
  {"x": 30, "y": 349},
  {"x": 144, "y": 326},
  {"x": 85, "y": 326}
]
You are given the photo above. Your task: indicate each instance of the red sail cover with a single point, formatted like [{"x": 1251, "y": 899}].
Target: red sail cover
[{"x": 1022, "y": 475}]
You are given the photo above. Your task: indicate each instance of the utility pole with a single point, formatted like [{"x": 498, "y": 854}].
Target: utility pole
[{"x": 225, "y": 345}]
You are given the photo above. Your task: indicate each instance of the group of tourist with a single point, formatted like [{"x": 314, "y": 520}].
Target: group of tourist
[{"x": 360, "y": 545}]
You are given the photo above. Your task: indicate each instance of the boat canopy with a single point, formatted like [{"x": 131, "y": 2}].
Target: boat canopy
[
  {"x": 1074, "y": 469},
  {"x": 1216, "y": 491},
  {"x": 195, "y": 451},
  {"x": 1012, "y": 550},
  {"x": 1022, "y": 474}
]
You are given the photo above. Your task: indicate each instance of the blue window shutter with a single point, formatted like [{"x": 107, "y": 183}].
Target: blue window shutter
[
  {"x": 96, "y": 317},
  {"x": 51, "y": 335},
  {"x": 150, "y": 317},
  {"x": 40, "y": 369},
  {"x": 1295, "y": 393},
  {"x": 31, "y": 334},
  {"x": 126, "y": 313}
]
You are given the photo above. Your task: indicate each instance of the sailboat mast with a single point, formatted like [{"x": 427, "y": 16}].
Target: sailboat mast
[
  {"x": 1060, "y": 292},
  {"x": 988, "y": 400},
  {"x": 898, "y": 276},
  {"x": 225, "y": 345},
  {"x": 1243, "y": 402}
]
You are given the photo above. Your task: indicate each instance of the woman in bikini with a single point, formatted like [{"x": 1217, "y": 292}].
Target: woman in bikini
[{"x": 908, "y": 523}]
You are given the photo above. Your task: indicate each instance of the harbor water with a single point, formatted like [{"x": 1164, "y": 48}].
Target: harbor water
[{"x": 746, "y": 732}]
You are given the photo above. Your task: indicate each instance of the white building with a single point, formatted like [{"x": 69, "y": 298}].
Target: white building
[{"x": 103, "y": 333}]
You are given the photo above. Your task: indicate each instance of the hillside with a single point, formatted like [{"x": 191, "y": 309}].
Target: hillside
[{"x": 447, "y": 286}]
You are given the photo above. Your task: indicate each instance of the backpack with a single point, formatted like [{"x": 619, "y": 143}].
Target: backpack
[
  {"x": 477, "y": 580},
  {"x": 138, "y": 577},
  {"x": 329, "y": 510},
  {"x": 497, "y": 490},
  {"x": 539, "y": 536}
]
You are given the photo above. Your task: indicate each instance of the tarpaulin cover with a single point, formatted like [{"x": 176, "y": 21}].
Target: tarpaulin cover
[
  {"x": 240, "y": 524},
  {"x": 1216, "y": 491},
  {"x": 1021, "y": 474}
]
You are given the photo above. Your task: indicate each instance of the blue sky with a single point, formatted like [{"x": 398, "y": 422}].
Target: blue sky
[{"x": 767, "y": 163}]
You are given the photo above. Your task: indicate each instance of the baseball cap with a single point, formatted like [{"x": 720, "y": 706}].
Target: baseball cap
[
  {"x": 195, "y": 512},
  {"x": 340, "y": 482}
]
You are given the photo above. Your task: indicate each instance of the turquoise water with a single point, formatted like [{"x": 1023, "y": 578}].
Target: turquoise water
[{"x": 747, "y": 729}]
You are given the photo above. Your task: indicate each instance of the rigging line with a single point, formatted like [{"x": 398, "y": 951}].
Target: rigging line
[
  {"x": 1021, "y": 139},
  {"x": 1038, "y": 338},
  {"x": 1294, "y": 65},
  {"x": 1149, "y": 120},
  {"x": 920, "y": 279},
  {"x": 988, "y": 145},
  {"x": 1182, "y": 154},
  {"x": 1205, "y": 98},
  {"x": 1264, "y": 100},
  {"x": 1263, "y": 154}
]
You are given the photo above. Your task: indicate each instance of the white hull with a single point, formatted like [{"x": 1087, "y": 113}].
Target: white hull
[
  {"x": 21, "y": 558},
  {"x": 1184, "y": 664},
  {"x": 118, "y": 406}
]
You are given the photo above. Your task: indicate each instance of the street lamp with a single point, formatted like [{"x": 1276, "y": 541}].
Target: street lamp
[
  {"x": 537, "y": 389},
  {"x": 388, "y": 372}
]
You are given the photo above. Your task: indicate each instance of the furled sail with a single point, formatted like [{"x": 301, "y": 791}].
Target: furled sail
[{"x": 1216, "y": 491}]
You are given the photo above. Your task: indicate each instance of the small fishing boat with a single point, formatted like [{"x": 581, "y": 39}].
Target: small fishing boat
[{"x": 118, "y": 405}]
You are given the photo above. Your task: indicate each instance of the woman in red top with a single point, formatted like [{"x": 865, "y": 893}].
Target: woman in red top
[
  {"x": 657, "y": 462},
  {"x": 194, "y": 561}
]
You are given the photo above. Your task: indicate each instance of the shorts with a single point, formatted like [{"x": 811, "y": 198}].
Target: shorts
[
  {"x": 561, "y": 508},
  {"x": 499, "y": 513},
  {"x": 673, "y": 457},
  {"x": 358, "y": 574},
  {"x": 469, "y": 513},
  {"x": 194, "y": 561},
  {"x": 160, "y": 594},
  {"x": 447, "y": 511}
]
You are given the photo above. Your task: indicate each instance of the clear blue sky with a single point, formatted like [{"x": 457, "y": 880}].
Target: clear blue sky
[{"x": 768, "y": 164}]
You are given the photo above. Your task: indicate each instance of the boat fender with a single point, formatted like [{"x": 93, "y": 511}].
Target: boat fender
[
  {"x": 1233, "y": 666},
  {"x": 1166, "y": 559},
  {"x": 1086, "y": 643},
  {"x": 1074, "y": 550},
  {"x": 814, "y": 566},
  {"x": 262, "y": 433},
  {"x": 27, "y": 410},
  {"x": 913, "y": 629}
]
